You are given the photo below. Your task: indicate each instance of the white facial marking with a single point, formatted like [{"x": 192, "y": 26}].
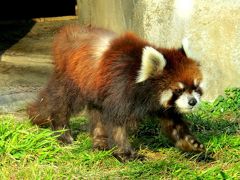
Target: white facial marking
[
  {"x": 152, "y": 62},
  {"x": 196, "y": 83},
  {"x": 165, "y": 97},
  {"x": 197, "y": 96},
  {"x": 182, "y": 103},
  {"x": 180, "y": 85}
]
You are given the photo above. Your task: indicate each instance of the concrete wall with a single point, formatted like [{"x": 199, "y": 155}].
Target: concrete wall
[{"x": 211, "y": 26}]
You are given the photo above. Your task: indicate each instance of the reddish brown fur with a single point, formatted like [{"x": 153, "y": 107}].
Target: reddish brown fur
[{"x": 106, "y": 85}]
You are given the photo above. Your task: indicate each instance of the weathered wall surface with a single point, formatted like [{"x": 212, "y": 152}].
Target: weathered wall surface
[{"x": 212, "y": 28}]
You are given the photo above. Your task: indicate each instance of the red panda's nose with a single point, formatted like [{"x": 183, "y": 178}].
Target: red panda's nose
[{"x": 192, "y": 102}]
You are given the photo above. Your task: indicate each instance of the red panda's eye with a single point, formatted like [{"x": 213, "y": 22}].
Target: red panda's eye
[{"x": 179, "y": 91}]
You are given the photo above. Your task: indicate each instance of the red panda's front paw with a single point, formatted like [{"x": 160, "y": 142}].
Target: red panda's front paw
[{"x": 190, "y": 144}]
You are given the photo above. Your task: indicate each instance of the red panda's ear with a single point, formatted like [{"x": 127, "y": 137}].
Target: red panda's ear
[
  {"x": 153, "y": 63},
  {"x": 185, "y": 47}
]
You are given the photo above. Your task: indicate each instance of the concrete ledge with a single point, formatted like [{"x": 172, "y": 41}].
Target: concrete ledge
[{"x": 27, "y": 59}]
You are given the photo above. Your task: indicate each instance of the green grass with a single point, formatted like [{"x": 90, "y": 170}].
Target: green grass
[{"x": 29, "y": 152}]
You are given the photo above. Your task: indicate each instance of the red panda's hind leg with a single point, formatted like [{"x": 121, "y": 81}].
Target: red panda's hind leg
[{"x": 53, "y": 108}]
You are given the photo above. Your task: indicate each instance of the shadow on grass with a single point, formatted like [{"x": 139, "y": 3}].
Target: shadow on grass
[
  {"x": 149, "y": 135},
  {"x": 78, "y": 125},
  {"x": 205, "y": 130}
]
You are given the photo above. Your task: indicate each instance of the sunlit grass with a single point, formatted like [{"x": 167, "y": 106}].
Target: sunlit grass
[
  {"x": 23, "y": 141},
  {"x": 29, "y": 152}
]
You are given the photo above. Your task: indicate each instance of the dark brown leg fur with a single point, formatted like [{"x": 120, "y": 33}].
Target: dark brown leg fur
[
  {"x": 178, "y": 131},
  {"x": 118, "y": 137},
  {"x": 98, "y": 130},
  {"x": 60, "y": 121},
  {"x": 106, "y": 136},
  {"x": 109, "y": 135},
  {"x": 52, "y": 108}
]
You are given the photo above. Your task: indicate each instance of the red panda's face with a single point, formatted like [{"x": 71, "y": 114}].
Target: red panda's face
[
  {"x": 179, "y": 78},
  {"x": 185, "y": 83},
  {"x": 182, "y": 96}
]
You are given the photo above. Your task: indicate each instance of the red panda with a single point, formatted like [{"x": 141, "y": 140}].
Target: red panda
[{"x": 118, "y": 80}]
